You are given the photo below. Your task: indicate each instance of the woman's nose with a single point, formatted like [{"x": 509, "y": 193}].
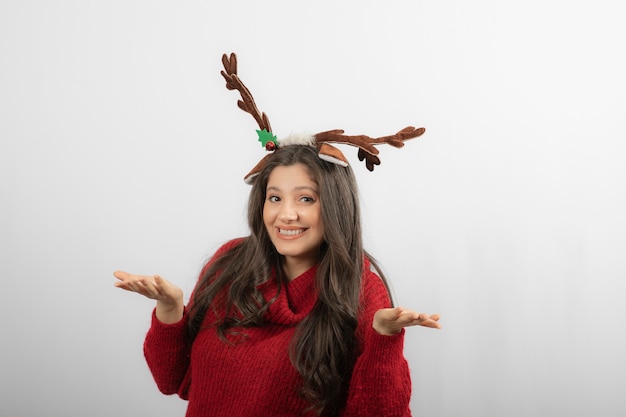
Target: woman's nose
[{"x": 287, "y": 213}]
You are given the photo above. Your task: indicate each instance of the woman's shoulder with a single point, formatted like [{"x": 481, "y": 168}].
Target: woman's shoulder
[
  {"x": 229, "y": 245},
  {"x": 223, "y": 250},
  {"x": 373, "y": 285}
]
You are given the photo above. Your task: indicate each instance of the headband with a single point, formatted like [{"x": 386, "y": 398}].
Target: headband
[{"x": 322, "y": 141}]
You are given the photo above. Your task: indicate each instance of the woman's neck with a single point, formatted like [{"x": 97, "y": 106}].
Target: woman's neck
[{"x": 294, "y": 267}]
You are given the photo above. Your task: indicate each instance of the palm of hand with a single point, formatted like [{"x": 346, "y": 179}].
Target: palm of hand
[
  {"x": 153, "y": 287},
  {"x": 390, "y": 321}
]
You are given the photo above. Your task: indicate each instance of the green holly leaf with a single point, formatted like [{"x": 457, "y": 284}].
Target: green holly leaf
[{"x": 265, "y": 137}]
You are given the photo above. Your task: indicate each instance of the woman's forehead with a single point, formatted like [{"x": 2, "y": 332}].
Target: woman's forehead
[{"x": 291, "y": 177}]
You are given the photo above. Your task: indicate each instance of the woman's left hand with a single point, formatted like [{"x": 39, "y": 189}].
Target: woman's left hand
[{"x": 390, "y": 321}]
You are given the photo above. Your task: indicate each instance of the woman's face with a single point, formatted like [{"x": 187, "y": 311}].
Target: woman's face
[{"x": 292, "y": 215}]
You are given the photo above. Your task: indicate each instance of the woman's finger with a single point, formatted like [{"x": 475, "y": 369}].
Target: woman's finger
[
  {"x": 411, "y": 318},
  {"x": 121, "y": 275},
  {"x": 127, "y": 277}
]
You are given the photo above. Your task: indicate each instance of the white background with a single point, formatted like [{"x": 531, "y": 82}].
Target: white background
[{"x": 122, "y": 149}]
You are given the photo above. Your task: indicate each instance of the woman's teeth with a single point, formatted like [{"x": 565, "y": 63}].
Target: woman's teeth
[{"x": 290, "y": 232}]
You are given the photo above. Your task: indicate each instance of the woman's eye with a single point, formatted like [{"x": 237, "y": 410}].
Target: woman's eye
[
  {"x": 307, "y": 199},
  {"x": 273, "y": 198}
]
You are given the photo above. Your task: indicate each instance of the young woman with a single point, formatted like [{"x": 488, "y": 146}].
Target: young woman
[{"x": 293, "y": 320}]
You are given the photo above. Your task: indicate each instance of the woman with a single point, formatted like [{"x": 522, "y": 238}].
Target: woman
[{"x": 291, "y": 320}]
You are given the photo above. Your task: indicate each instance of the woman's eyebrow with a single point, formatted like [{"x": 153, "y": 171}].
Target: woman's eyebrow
[{"x": 304, "y": 187}]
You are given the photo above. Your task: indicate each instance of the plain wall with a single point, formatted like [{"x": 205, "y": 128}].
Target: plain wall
[{"x": 122, "y": 149}]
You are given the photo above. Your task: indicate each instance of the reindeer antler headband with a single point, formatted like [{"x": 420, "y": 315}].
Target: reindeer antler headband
[{"x": 322, "y": 140}]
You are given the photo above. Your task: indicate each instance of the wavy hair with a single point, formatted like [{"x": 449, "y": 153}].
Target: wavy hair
[{"x": 323, "y": 347}]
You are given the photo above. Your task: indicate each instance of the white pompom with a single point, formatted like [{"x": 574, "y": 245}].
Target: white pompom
[{"x": 297, "y": 139}]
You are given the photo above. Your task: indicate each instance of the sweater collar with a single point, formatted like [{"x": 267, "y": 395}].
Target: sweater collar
[{"x": 295, "y": 300}]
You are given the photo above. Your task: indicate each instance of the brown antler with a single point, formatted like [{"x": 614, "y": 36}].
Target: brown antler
[
  {"x": 367, "y": 150},
  {"x": 233, "y": 82}
]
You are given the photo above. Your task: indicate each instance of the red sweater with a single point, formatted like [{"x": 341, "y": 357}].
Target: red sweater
[{"x": 255, "y": 378}]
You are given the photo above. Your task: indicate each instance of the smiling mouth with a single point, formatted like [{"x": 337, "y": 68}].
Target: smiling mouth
[{"x": 291, "y": 232}]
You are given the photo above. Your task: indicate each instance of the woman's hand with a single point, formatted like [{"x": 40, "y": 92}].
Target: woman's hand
[
  {"x": 169, "y": 297},
  {"x": 390, "y": 321}
]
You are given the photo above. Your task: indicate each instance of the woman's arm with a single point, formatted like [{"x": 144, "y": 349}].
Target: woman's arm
[
  {"x": 381, "y": 382},
  {"x": 167, "y": 350}
]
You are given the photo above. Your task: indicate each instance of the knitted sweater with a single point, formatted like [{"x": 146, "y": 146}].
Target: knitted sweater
[{"x": 255, "y": 377}]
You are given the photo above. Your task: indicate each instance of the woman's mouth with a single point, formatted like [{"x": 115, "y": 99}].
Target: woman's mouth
[{"x": 290, "y": 232}]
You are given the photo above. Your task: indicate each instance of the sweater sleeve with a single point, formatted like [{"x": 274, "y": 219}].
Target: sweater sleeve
[
  {"x": 167, "y": 350},
  {"x": 381, "y": 382}
]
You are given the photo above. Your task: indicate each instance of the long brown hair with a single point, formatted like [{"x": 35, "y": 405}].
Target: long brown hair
[{"x": 323, "y": 347}]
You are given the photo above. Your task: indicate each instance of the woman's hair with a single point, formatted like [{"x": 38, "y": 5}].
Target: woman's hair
[{"x": 322, "y": 349}]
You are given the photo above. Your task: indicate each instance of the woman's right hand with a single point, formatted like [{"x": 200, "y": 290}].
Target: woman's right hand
[{"x": 169, "y": 298}]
